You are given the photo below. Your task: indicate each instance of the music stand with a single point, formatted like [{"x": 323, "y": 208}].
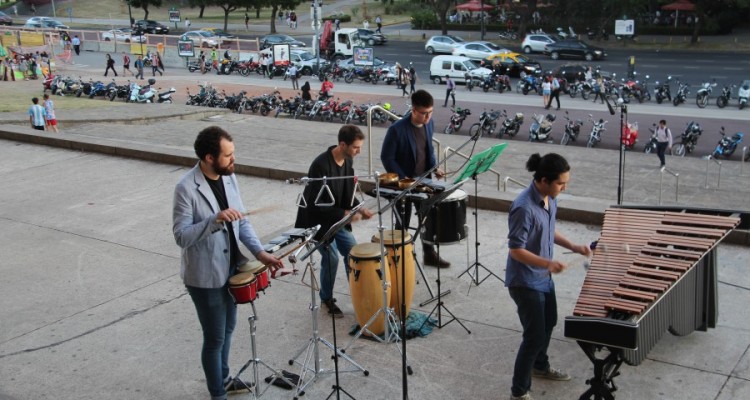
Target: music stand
[
  {"x": 337, "y": 389},
  {"x": 479, "y": 163}
]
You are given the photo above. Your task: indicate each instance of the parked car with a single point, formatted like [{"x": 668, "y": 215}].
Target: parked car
[
  {"x": 478, "y": 50},
  {"x": 574, "y": 72},
  {"x": 371, "y": 37},
  {"x": 122, "y": 35},
  {"x": 305, "y": 61},
  {"x": 574, "y": 48},
  {"x": 201, "y": 38},
  {"x": 535, "y": 42},
  {"x": 457, "y": 68},
  {"x": 348, "y": 63},
  {"x": 45, "y": 22},
  {"x": 442, "y": 44},
  {"x": 513, "y": 63},
  {"x": 150, "y": 26},
  {"x": 5, "y": 19},
  {"x": 270, "y": 40}
]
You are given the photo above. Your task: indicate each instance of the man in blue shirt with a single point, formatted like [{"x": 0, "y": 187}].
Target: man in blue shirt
[
  {"x": 531, "y": 240},
  {"x": 37, "y": 115}
]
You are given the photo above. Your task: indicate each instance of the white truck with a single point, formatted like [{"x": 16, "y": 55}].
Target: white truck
[{"x": 340, "y": 44}]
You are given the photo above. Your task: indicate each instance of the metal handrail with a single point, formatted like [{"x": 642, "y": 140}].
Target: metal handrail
[
  {"x": 676, "y": 186},
  {"x": 708, "y": 164},
  {"x": 519, "y": 183},
  {"x": 464, "y": 156}
]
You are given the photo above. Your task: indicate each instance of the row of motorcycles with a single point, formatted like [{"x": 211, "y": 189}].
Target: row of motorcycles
[
  {"x": 541, "y": 131},
  {"x": 129, "y": 92},
  {"x": 324, "y": 108}
]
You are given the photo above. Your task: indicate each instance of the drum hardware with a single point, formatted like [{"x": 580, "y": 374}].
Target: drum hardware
[
  {"x": 479, "y": 163},
  {"x": 325, "y": 190},
  {"x": 255, "y": 361}
]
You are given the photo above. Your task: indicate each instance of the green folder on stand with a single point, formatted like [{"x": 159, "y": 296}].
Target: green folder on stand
[{"x": 481, "y": 162}]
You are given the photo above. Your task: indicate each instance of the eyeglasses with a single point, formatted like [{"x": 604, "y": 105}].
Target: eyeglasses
[{"x": 424, "y": 114}]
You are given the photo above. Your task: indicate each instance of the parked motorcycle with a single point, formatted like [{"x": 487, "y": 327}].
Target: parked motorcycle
[
  {"x": 572, "y": 129},
  {"x": 689, "y": 139},
  {"x": 651, "y": 145},
  {"x": 97, "y": 88},
  {"x": 195, "y": 65},
  {"x": 743, "y": 95},
  {"x": 142, "y": 94},
  {"x": 725, "y": 96},
  {"x": 701, "y": 97},
  {"x": 166, "y": 96},
  {"x": 487, "y": 123},
  {"x": 228, "y": 66},
  {"x": 727, "y": 145},
  {"x": 361, "y": 73},
  {"x": 630, "y": 135},
  {"x": 662, "y": 91},
  {"x": 510, "y": 126},
  {"x": 541, "y": 127},
  {"x": 457, "y": 120},
  {"x": 682, "y": 93},
  {"x": 597, "y": 128},
  {"x": 508, "y": 35}
]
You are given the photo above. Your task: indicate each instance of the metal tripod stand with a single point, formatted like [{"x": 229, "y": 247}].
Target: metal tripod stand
[
  {"x": 311, "y": 350},
  {"x": 255, "y": 361}
]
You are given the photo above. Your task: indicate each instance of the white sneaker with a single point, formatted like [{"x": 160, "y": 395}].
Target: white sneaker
[{"x": 526, "y": 396}]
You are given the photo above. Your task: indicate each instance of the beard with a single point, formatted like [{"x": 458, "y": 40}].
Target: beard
[{"x": 224, "y": 171}]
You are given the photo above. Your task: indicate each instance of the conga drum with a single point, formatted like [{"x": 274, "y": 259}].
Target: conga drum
[
  {"x": 243, "y": 287},
  {"x": 260, "y": 271},
  {"x": 366, "y": 285},
  {"x": 392, "y": 243}
]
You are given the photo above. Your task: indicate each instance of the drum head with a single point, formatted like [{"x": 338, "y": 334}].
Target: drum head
[
  {"x": 250, "y": 266},
  {"x": 456, "y": 196},
  {"x": 257, "y": 268},
  {"x": 391, "y": 237},
  {"x": 241, "y": 279},
  {"x": 364, "y": 251}
]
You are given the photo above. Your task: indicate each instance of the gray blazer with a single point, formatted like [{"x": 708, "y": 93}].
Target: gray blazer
[{"x": 204, "y": 242}]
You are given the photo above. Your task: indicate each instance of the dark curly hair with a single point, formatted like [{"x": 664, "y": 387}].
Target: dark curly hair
[
  {"x": 550, "y": 166},
  {"x": 209, "y": 141}
]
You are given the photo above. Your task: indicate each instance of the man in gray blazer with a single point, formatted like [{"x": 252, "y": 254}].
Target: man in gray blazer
[{"x": 208, "y": 223}]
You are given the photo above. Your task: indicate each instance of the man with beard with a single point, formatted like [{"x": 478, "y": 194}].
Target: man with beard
[
  {"x": 208, "y": 224},
  {"x": 531, "y": 240},
  {"x": 336, "y": 162}
]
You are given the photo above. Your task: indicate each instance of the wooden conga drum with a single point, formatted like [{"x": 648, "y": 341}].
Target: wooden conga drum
[
  {"x": 366, "y": 285},
  {"x": 392, "y": 243}
]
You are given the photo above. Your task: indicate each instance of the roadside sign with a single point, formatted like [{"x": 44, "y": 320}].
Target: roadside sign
[
  {"x": 364, "y": 56},
  {"x": 625, "y": 27},
  {"x": 185, "y": 48},
  {"x": 174, "y": 15}
]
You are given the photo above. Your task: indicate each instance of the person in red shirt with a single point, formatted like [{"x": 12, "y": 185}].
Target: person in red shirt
[{"x": 326, "y": 87}]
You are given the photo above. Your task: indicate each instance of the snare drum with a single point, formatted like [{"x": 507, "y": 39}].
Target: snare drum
[
  {"x": 366, "y": 285},
  {"x": 260, "y": 271},
  {"x": 243, "y": 287},
  {"x": 446, "y": 221},
  {"x": 392, "y": 244}
]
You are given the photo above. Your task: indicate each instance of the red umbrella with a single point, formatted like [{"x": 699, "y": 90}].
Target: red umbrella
[
  {"x": 475, "y": 5},
  {"x": 679, "y": 5}
]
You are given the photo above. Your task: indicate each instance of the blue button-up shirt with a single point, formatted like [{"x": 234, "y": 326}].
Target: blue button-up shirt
[{"x": 531, "y": 227}]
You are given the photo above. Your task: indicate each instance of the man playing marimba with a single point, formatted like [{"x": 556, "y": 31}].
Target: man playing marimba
[{"x": 528, "y": 276}]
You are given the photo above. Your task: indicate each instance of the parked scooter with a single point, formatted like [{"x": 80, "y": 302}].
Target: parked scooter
[
  {"x": 682, "y": 93},
  {"x": 572, "y": 129},
  {"x": 725, "y": 96},
  {"x": 457, "y": 120},
  {"x": 541, "y": 127},
  {"x": 165, "y": 96},
  {"x": 597, "y": 128},
  {"x": 727, "y": 145},
  {"x": 743, "y": 95},
  {"x": 689, "y": 139},
  {"x": 701, "y": 97},
  {"x": 630, "y": 135},
  {"x": 662, "y": 91},
  {"x": 142, "y": 94},
  {"x": 510, "y": 126}
]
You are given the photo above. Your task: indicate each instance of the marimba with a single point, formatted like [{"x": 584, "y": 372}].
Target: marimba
[{"x": 653, "y": 271}]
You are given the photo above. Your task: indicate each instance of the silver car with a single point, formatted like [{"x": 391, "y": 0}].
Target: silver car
[
  {"x": 478, "y": 50},
  {"x": 442, "y": 44},
  {"x": 535, "y": 42}
]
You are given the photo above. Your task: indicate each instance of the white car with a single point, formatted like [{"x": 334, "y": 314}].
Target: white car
[
  {"x": 478, "y": 50},
  {"x": 305, "y": 61},
  {"x": 201, "y": 38},
  {"x": 535, "y": 42},
  {"x": 443, "y": 44},
  {"x": 122, "y": 35}
]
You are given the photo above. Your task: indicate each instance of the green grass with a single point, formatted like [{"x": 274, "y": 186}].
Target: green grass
[{"x": 17, "y": 97}]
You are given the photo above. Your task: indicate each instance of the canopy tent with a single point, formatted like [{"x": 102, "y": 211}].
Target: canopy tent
[
  {"x": 475, "y": 5},
  {"x": 679, "y": 5}
]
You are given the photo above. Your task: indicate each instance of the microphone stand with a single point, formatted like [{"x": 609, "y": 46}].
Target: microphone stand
[{"x": 621, "y": 166}]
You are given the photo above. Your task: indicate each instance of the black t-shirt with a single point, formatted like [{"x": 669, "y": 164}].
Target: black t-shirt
[
  {"x": 217, "y": 186},
  {"x": 420, "y": 138}
]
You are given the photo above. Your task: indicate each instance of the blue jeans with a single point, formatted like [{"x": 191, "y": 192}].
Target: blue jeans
[
  {"x": 217, "y": 314},
  {"x": 661, "y": 150},
  {"x": 342, "y": 243},
  {"x": 538, "y": 314}
]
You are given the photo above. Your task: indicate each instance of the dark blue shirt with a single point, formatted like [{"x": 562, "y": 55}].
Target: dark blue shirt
[{"x": 531, "y": 227}]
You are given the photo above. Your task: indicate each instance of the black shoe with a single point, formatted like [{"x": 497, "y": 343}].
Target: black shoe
[
  {"x": 333, "y": 309},
  {"x": 431, "y": 258},
  {"x": 236, "y": 385}
]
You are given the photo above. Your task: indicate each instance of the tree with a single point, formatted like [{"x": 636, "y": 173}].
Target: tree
[
  {"x": 441, "y": 8},
  {"x": 200, "y": 4},
  {"x": 144, "y": 4},
  {"x": 277, "y": 5}
]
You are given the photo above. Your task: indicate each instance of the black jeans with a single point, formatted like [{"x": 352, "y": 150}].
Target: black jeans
[
  {"x": 538, "y": 314},
  {"x": 555, "y": 95},
  {"x": 661, "y": 149},
  {"x": 452, "y": 95}
]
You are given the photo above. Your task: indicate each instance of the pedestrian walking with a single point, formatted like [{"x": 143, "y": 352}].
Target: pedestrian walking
[
  {"x": 306, "y": 91},
  {"x": 599, "y": 89},
  {"x": 15, "y": 10},
  {"x": 156, "y": 63},
  {"x": 405, "y": 82},
  {"x": 202, "y": 61},
  {"x": 293, "y": 76},
  {"x": 366, "y": 24},
  {"x": 247, "y": 22},
  {"x": 139, "y": 67},
  {"x": 556, "y": 87},
  {"x": 450, "y": 91},
  {"x": 33, "y": 9},
  {"x": 110, "y": 65},
  {"x": 215, "y": 58},
  {"x": 49, "y": 110},
  {"x": 663, "y": 142},
  {"x": 76, "y": 45},
  {"x": 36, "y": 115},
  {"x": 546, "y": 90},
  {"x": 379, "y": 23},
  {"x": 187, "y": 24},
  {"x": 337, "y": 22},
  {"x": 126, "y": 65},
  {"x": 269, "y": 65},
  {"x": 412, "y": 78}
]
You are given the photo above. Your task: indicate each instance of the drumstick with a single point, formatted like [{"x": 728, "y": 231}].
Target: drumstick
[{"x": 256, "y": 211}]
